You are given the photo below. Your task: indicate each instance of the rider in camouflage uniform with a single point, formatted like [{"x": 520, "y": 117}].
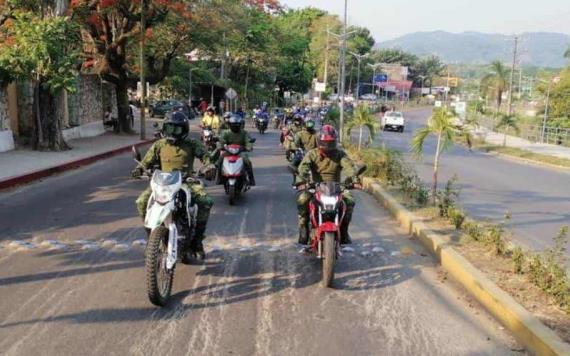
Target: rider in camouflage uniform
[
  {"x": 325, "y": 164},
  {"x": 307, "y": 139},
  {"x": 176, "y": 152},
  {"x": 236, "y": 135}
]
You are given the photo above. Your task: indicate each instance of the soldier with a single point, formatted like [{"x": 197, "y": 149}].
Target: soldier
[
  {"x": 236, "y": 135},
  {"x": 325, "y": 164},
  {"x": 306, "y": 139},
  {"x": 176, "y": 152}
]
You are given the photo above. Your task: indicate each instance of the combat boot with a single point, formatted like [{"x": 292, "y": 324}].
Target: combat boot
[
  {"x": 197, "y": 246},
  {"x": 303, "y": 230},
  {"x": 345, "y": 238}
]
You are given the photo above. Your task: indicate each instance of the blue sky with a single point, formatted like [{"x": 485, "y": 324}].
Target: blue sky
[{"x": 393, "y": 18}]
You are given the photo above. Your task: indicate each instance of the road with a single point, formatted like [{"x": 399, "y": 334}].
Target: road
[
  {"x": 84, "y": 292},
  {"x": 537, "y": 198}
]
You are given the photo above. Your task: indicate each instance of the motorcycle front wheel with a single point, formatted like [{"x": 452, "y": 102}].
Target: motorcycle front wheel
[
  {"x": 232, "y": 193},
  {"x": 329, "y": 257},
  {"x": 158, "y": 278}
]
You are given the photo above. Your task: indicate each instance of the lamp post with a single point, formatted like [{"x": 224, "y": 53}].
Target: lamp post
[
  {"x": 546, "y": 108},
  {"x": 359, "y": 58},
  {"x": 189, "y": 59},
  {"x": 375, "y": 67},
  {"x": 142, "y": 64}
]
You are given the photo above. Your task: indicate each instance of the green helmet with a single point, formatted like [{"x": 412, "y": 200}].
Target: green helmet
[{"x": 310, "y": 124}]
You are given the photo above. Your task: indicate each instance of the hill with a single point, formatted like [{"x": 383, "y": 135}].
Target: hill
[{"x": 541, "y": 49}]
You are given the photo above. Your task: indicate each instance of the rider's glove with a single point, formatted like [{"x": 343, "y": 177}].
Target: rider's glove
[{"x": 137, "y": 172}]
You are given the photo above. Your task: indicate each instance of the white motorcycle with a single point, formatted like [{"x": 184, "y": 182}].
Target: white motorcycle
[{"x": 171, "y": 219}]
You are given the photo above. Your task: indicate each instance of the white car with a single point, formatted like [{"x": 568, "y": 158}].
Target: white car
[
  {"x": 393, "y": 120},
  {"x": 370, "y": 97}
]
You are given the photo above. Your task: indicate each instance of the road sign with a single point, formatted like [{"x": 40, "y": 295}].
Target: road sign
[
  {"x": 231, "y": 94},
  {"x": 380, "y": 78},
  {"x": 286, "y": 94},
  {"x": 320, "y": 87},
  {"x": 453, "y": 82},
  {"x": 437, "y": 104}
]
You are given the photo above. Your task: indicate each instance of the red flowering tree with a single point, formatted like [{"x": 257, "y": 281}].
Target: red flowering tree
[{"x": 111, "y": 31}]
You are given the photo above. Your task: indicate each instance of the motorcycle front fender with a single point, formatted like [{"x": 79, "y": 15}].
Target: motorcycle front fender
[
  {"x": 232, "y": 181},
  {"x": 157, "y": 214}
]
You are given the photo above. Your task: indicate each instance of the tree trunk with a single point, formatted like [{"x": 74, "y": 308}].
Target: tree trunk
[
  {"x": 47, "y": 130},
  {"x": 436, "y": 168},
  {"x": 505, "y": 137},
  {"x": 360, "y": 138},
  {"x": 245, "y": 98},
  {"x": 121, "y": 89}
]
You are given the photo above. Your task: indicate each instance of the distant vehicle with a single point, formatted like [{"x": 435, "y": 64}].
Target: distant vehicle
[
  {"x": 369, "y": 97},
  {"x": 393, "y": 120},
  {"x": 160, "y": 108}
]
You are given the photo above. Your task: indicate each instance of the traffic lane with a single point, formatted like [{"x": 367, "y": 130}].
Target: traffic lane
[
  {"x": 254, "y": 295},
  {"x": 536, "y": 198}
]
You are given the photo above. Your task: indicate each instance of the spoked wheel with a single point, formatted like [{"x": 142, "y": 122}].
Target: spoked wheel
[
  {"x": 158, "y": 278},
  {"x": 232, "y": 193},
  {"x": 329, "y": 257}
]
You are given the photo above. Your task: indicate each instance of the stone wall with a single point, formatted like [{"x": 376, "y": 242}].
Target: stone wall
[
  {"x": 86, "y": 104},
  {"x": 25, "y": 92}
]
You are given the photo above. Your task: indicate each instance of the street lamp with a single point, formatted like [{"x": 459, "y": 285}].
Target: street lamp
[
  {"x": 545, "y": 117},
  {"x": 359, "y": 58},
  {"x": 189, "y": 59},
  {"x": 374, "y": 67}
]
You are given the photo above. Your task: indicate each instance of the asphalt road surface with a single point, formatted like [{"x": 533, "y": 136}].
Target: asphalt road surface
[
  {"x": 537, "y": 198},
  {"x": 72, "y": 279}
]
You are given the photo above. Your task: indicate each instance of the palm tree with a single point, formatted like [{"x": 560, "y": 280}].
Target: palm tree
[
  {"x": 363, "y": 118},
  {"x": 441, "y": 124},
  {"x": 496, "y": 81},
  {"x": 507, "y": 121}
]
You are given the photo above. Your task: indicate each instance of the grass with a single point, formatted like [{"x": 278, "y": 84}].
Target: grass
[{"x": 524, "y": 154}]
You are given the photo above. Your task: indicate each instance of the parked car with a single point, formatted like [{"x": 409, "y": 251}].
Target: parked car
[
  {"x": 162, "y": 107},
  {"x": 394, "y": 121},
  {"x": 369, "y": 97}
]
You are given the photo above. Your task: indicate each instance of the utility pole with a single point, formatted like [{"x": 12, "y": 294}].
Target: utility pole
[
  {"x": 342, "y": 72},
  {"x": 142, "y": 78},
  {"x": 326, "y": 58},
  {"x": 510, "y": 104}
]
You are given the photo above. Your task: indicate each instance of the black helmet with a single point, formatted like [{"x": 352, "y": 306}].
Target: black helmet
[
  {"x": 235, "y": 122},
  {"x": 175, "y": 126},
  {"x": 298, "y": 119}
]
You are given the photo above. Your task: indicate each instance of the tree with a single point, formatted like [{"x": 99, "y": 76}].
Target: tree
[
  {"x": 441, "y": 124},
  {"x": 427, "y": 68},
  {"x": 111, "y": 30},
  {"x": 44, "y": 51},
  {"x": 507, "y": 122},
  {"x": 363, "y": 118},
  {"x": 495, "y": 83}
]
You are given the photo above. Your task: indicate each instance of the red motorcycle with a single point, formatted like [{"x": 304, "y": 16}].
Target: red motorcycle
[{"x": 326, "y": 212}]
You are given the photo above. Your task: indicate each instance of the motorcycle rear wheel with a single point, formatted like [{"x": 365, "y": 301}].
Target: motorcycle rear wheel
[
  {"x": 158, "y": 279},
  {"x": 329, "y": 257}
]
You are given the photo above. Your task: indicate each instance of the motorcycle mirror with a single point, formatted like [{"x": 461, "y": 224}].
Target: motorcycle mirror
[
  {"x": 155, "y": 125},
  {"x": 252, "y": 140},
  {"x": 360, "y": 169},
  {"x": 136, "y": 154}
]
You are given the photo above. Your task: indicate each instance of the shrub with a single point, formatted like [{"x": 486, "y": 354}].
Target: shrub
[
  {"x": 448, "y": 197},
  {"x": 518, "y": 260},
  {"x": 456, "y": 217},
  {"x": 496, "y": 240}
]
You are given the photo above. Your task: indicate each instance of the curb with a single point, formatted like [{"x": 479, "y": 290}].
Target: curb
[
  {"x": 527, "y": 329},
  {"x": 11, "y": 182}
]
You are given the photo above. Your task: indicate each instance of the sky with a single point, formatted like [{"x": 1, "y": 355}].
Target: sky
[{"x": 390, "y": 19}]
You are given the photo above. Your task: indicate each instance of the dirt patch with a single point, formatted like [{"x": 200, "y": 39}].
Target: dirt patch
[{"x": 500, "y": 270}]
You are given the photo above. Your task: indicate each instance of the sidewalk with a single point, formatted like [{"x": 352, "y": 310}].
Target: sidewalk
[
  {"x": 517, "y": 142},
  {"x": 25, "y": 161}
]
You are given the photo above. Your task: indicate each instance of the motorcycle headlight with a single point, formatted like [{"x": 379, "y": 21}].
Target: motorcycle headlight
[
  {"x": 207, "y": 133},
  {"x": 163, "y": 193},
  {"x": 329, "y": 203},
  {"x": 233, "y": 150}
]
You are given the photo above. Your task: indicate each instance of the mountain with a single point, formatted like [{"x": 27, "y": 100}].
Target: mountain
[{"x": 543, "y": 49}]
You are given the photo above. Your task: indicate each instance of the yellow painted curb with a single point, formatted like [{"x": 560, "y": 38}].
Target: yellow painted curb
[{"x": 527, "y": 329}]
